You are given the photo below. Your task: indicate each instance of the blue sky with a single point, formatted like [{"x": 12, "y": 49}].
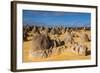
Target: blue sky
[{"x": 53, "y": 18}]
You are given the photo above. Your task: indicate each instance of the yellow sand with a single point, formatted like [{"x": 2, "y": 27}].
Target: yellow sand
[{"x": 66, "y": 55}]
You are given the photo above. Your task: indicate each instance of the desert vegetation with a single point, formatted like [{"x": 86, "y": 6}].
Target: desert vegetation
[{"x": 42, "y": 43}]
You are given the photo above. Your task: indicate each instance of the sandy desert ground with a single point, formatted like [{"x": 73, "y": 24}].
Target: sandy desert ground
[{"x": 62, "y": 52}]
